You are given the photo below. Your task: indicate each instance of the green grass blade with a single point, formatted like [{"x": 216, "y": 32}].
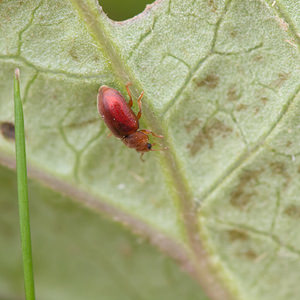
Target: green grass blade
[{"x": 23, "y": 191}]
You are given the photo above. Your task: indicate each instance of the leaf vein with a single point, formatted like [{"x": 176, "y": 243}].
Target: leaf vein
[
  {"x": 23, "y": 60},
  {"x": 261, "y": 142},
  {"x": 27, "y": 26},
  {"x": 199, "y": 63},
  {"x": 280, "y": 11},
  {"x": 260, "y": 233}
]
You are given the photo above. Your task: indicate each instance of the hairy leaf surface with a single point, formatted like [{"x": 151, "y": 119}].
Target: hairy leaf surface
[{"x": 221, "y": 83}]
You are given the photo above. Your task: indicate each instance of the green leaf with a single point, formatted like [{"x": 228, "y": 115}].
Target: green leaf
[
  {"x": 221, "y": 82},
  {"x": 78, "y": 255}
]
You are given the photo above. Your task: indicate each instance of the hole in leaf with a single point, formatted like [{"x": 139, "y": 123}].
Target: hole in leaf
[{"x": 120, "y": 10}]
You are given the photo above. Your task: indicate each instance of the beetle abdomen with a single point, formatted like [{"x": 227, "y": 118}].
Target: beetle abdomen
[{"x": 116, "y": 113}]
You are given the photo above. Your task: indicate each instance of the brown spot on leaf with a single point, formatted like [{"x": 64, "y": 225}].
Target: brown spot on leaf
[
  {"x": 74, "y": 54},
  {"x": 232, "y": 94},
  {"x": 257, "y": 57},
  {"x": 241, "y": 107},
  {"x": 280, "y": 169},
  {"x": 212, "y": 4},
  {"x": 242, "y": 194},
  {"x": 207, "y": 134},
  {"x": 241, "y": 199},
  {"x": 210, "y": 81},
  {"x": 288, "y": 144},
  {"x": 8, "y": 130},
  {"x": 293, "y": 211},
  {"x": 233, "y": 33},
  {"x": 264, "y": 99},
  {"x": 250, "y": 254},
  {"x": 192, "y": 125},
  {"x": 218, "y": 128},
  {"x": 235, "y": 234},
  {"x": 282, "y": 77},
  {"x": 96, "y": 58},
  {"x": 197, "y": 143}
]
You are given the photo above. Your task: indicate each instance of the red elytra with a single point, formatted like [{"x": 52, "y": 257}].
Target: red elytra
[{"x": 122, "y": 121}]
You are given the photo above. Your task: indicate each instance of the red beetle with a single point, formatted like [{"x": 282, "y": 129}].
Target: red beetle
[{"x": 121, "y": 120}]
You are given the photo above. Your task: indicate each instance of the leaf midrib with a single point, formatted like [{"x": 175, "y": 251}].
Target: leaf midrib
[
  {"x": 184, "y": 195},
  {"x": 183, "y": 189}
]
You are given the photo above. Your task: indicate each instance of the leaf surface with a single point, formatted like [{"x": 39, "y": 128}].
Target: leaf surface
[
  {"x": 79, "y": 255},
  {"x": 221, "y": 82}
]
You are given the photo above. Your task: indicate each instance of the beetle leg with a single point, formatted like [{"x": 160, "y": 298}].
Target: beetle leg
[
  {"x": 162, "y": 149},
  {"x": 146, "y": 131},
  {"x": 139, "y": 101},
  {"x": 129, "y": 94},
  {"x": 141, "y": 157}
]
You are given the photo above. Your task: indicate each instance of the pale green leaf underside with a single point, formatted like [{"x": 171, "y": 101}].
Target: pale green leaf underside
[
  {"x": 221, "y": 82},
  {"x": 78, "y": 255}
]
